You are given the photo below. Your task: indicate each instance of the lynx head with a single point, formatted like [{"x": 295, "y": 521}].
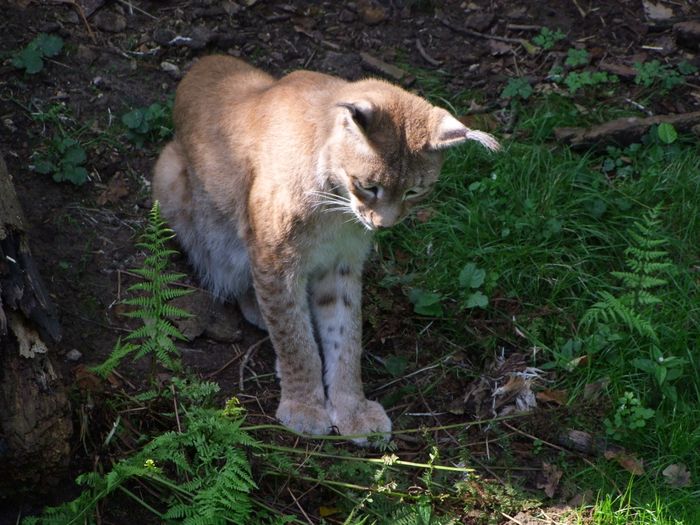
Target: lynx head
[{"x": 385, "y": 151}]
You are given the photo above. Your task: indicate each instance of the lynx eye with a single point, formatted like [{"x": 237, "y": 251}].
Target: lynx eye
[
  {"x": 414, "y": 193},
  {"x": 370, "y": 191}
]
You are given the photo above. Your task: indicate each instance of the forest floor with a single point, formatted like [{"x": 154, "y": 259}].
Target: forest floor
[{"x": 121, "y": 56}]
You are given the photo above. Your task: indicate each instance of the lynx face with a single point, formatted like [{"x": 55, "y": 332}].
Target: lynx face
[{"x": 388, "y": 152}]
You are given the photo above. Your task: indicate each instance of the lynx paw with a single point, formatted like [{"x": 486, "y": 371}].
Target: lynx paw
[
  {"x": 361, "y": 417},
  {"x": 307, "y": 419}
]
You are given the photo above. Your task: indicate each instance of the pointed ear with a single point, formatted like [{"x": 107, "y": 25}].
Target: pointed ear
[
  {"x": 362, "y": 113},
  {"x": 450, "y": 132}
]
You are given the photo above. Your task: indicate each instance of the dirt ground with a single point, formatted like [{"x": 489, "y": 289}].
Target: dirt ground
[{"x": 120, "y": 55}]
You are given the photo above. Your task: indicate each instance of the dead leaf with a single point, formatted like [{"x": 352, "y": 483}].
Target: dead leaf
[
  {"x": 87, "y": 380},
  {"x": 553, "y": 396},
  {"x": 324, "y": 512},
  {"x": 677, "y": 475},
  {"x": 552, "y": 476},
  {"x": 577, "y": 361},
  {"x": 630, "y": 463},
  {"x": 499, "y": 48},
  {"x": 593, "y": 390},
  {"x": 654, "y": 11},
  {"x": 580, "y": 499},
  {"x": 424, "y": 214},
  {"x": 518, "y": 388},
  {"x": 116, "y": 189}
]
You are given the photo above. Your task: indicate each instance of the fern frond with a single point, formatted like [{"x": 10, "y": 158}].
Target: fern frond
[
  {"x": 639, "y": 280},
  {"x": 120, "y": 351}
]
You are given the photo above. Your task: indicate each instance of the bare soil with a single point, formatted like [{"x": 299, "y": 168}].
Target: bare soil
[{"x": 113, "y": 61}]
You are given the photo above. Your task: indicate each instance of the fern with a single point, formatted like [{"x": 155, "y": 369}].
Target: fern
[
  {"x": 157, "y": 336},
  {"x": 209, "y": 477},
  {"x": 201, "y": 472},
  {"x": 646, "y": 260}
]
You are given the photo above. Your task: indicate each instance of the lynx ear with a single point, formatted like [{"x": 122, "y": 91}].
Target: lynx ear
[
  {"x": 451, "y": 132},
  {"x": 362, "y": 112}
]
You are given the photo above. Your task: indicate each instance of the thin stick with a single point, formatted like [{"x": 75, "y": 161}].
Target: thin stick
[
  {"x": 132, "y": 7},
  {"x": 246, "y": 358},
  {"x": 510, "y": 518},
  {"x": 296, "y": 501},
  {"x": 430, "y": 60},
  {"x": 581, "y": 11},
  {"x": 81, "y": 13},
  {"x": 226, "y": 364},
  {"x": 469, "y": 32},
  {"x": 177, "y": 413},
  {"x": 131, "y": 385}
]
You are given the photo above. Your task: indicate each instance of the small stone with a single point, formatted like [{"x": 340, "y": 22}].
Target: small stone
[
  {"x": 171, "y": 69},
  {"x": 50, "y": 27},
  {"x": 688, "y": 34},
  {"x": 199, "y": 37},
  {"x": 71, "y": 17},
  {"x": 346, "y": 16},
  {"x": 110, "y": 22},
  {"x": 218, "y": 321},
  {"x": 163, "y": 36},
  {"x": 342, "y": 64},
  {"x": 372, "y": 14},
  {"x": 265, "y": 37},
  {"x": 9, "y": 124},
  {"x": 231, "y": 8},
  {"x": 85, "y": 55},
  {"x": 74, "y": 355},
  {"x": 480, "y": 21}
]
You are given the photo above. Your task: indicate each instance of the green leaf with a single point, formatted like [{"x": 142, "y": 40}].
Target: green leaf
[
  {"x": 577, "y": 57},
  {"x": 426, "y": 303},
  {"x": 646, "y": 365},
  {"x": 44, "y": 166},
  {"x": 667, "y": 133},
  {"x": 471, "y": 276},
  {"x": 133, "y": 119},
  {"x": 396, "y": 365},
  {"x": 660, "y": 374},
  {"x": 477, "y": 300},
  {"x": 517, "y": 87},
  {"x": 28, "y": 59},
  {"x": 49, "y": 45},
  {"x": 74, "y": 155},
  {"x": 75, "y": 174}
]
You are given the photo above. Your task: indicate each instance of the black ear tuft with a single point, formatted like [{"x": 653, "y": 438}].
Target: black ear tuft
[{"x": 361, "y": 112}]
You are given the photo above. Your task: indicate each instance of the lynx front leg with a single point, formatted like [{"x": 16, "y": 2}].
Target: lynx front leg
[
  {"x": 336, "y": 304},
  {"x": 286, "y": 314}
]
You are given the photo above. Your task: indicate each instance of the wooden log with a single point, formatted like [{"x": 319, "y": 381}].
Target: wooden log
[
  {"x": 35, "y": 417},
  {"x": 622, "y": 131}
]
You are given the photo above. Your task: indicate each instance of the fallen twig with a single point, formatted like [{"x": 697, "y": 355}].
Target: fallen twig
[
  {"x": 622, "y": 131},
  {"x": 246, "y": 358},
  {"x": 430, "y": 60},
  {"x": 468, "y": 32}
]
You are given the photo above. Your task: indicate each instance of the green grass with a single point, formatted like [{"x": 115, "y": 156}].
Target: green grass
[{"x": 549, "y": 226}]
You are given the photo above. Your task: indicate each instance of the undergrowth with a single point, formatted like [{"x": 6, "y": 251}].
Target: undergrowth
[
  {"x": 588, "y": 263},
  {"x": 199, "y": 463}
]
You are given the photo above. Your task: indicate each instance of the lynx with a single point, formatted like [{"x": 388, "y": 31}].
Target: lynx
[{"x": 274, "y": 188}]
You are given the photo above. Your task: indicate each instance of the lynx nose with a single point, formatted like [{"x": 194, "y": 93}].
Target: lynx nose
[{"x": 385, "y": 217}]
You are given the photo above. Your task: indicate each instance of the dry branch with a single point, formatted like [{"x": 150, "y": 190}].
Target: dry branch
[{"x": 622, "y": 131}]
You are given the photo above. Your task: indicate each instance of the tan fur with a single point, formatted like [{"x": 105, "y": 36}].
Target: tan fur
[{"x": 273, "y": 187}]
